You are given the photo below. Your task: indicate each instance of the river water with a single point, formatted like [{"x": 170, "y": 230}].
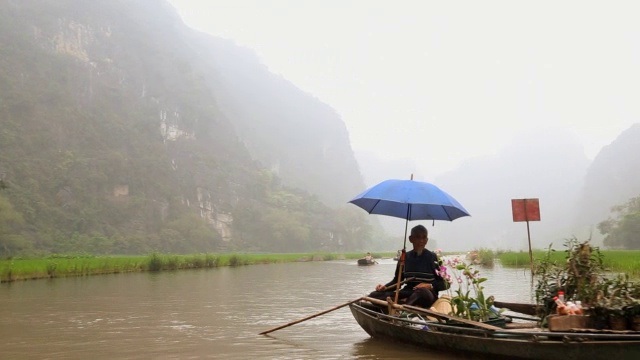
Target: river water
[{"x": 212, "y": 313}]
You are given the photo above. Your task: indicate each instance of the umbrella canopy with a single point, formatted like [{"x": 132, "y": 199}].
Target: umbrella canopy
[{"x": 410, "y": 200}]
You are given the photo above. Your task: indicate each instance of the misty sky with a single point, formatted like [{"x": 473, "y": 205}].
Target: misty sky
[{"x": 441, "y": 81}]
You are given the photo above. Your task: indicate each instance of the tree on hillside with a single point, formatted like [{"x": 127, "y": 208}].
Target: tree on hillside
[
  {"x": 11, "y": 221},
  {"x": 623, "y": 230}
]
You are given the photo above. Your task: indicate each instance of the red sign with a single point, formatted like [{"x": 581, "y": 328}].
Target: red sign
[{"x": 525, "y": 209}]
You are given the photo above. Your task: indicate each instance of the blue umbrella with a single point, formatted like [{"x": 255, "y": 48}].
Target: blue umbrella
[{"x": 409, "y": 200}]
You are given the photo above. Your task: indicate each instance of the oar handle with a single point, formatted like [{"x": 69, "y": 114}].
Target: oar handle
[{"x": 392, "y": 286}]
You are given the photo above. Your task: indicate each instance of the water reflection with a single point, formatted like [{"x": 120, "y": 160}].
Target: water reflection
[
  {"x": 214, "y": 313},
  {"x": 375, "y": 349}
]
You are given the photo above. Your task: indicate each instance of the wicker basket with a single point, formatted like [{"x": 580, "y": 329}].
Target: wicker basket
[{"x": 568, "y": 322}]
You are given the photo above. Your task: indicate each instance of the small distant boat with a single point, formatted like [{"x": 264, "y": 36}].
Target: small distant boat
[
  {"x": 365, "y": 262},
  {"x": 397, "y": 257}
]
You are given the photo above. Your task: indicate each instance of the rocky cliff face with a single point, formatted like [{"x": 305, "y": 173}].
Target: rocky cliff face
[
  {"x": 292, "y": 133},
  {"x": 119, "y": 121},
  {"x": 612, "y": 179}
]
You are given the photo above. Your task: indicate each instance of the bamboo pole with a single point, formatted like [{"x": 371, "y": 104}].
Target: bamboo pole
[{"x": 435, "y": 314}]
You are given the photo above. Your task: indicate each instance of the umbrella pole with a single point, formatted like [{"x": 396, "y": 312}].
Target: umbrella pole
[
  {"x": 404, "y": 252},
  {"x": 400, "y": 271}
]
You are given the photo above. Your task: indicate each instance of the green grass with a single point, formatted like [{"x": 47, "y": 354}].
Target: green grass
[
  {"x": 83, "y": 265},
  {"x": 623, "y": 261},
  {"x": 521, "y": 258},
  {"x": 627, "y": 261},
  {"x": 486, "y": 257},
  {"x": 57, "y": 266}
]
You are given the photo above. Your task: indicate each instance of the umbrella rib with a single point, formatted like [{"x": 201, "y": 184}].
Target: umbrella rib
[
  {"x": 447, "y": 212},
  {"x": 374, "y": 206}
]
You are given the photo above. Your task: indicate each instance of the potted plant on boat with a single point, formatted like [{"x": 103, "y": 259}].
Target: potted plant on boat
[
  {"x": 468, "y": 301},
  {"x": 633, "y": 315},
  {"x": 580, "y": 276},
  {"x": 622, "y": 304},
  {"x": 616, "y": 310},
  {"x": 609, "y": 302}
]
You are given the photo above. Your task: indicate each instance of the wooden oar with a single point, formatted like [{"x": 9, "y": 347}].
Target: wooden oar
[
  {"x": 327, "y": 311},
  {"x": 434, "y": 314},
  {"x": 310, "y": 317}
]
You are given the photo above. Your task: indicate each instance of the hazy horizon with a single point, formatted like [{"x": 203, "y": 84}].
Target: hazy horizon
[{"x": 438, "y": 83}]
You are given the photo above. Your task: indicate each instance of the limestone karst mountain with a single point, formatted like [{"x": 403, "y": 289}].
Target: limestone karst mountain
[{"x": 124, "y": 131}]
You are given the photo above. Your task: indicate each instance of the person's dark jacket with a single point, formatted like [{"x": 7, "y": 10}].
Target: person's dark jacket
[{"x": 423, "y": 268}]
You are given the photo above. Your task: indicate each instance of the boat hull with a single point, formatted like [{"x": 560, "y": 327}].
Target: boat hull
[{"x": 507, "y": 344}]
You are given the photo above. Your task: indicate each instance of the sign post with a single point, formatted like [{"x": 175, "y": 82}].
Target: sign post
[{"x": 526, "y": 210}]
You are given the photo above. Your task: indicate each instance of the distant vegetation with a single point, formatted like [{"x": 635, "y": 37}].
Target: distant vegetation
[
  {"x": 484, "y": 257},
  {"x": 624, "y": 261},
  {"x": 622, "y": 230},
  {"x": 56, "y": 266},
  {"x": 53, "y": 266}
]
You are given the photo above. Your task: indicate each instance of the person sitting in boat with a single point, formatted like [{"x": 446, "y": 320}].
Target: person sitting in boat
[
  {"x": 420, "y": 264},
  {"x": 369, "y": 258}
]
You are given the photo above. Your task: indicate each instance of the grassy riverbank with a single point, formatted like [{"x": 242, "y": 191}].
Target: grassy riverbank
[
  {"x": 84, "y": 265},
  {"x": 624, "y": 261}
]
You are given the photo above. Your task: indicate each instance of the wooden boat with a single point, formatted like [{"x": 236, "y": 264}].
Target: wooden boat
[
  {"x": 365, "y": 262},
  {"x": 470, "y": 337}
]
